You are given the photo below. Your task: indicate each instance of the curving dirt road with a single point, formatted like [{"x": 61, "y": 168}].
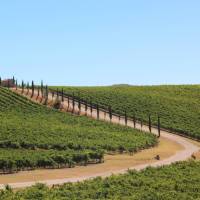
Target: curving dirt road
[
  {"x": 184, "y": 154},
  {"x": 188, "y": 149}
]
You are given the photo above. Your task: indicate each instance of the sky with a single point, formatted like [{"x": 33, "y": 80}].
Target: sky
[{"x": 100, "y": 42}]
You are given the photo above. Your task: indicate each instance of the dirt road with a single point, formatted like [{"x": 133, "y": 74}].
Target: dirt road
[{"x": 187, "y": 148}]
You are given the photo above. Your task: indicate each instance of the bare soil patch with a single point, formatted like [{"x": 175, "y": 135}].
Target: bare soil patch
[{"x": 196, "y": 155}]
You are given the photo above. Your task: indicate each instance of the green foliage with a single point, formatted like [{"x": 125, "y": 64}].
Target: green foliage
[
  {"x": 13, "y": 160},
  {"x": 33, "y": 135},
  {"x": 180, "y": 181},
  {"x": 178, "y": 106}
]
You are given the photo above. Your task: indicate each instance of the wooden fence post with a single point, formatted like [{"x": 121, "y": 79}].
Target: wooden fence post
[
  {"x": 150, "y": 123},
  {"x": 158, "y": 126},
  {"x": 125, "y": 118}
]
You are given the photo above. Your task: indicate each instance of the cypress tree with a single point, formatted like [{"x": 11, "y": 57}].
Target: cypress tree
[
  {"x": 42, "y": 88},
  {"x": 73, "y": 103},
  {"x": 57, "y": 93},
  {"x": 22, "y": 87},
  {"x": 27, "y": 87},
  {"x": 38, "y": 92},
  {"x": 141, "y": 122},
  {"x": 97, "y": 111},
  {"x": 68, "y": 102},
  {"x": 110, "y": 112},
  {"x": 134, "y": 121},
  {"x": 47, "y": 91},
  {"x": 104, "y": 115},
  {"x": 91, "y": 108},
  {"x": 13, "y": 80},
  {"x": 126, "y": 120},
  {"x": 158, "y": 126},
  {"x": 0, "y": 81},
  {"x": 79, "y": 104},
  {"x": 86, "y": 108},
  {"x": 46, "y": 95},
  {"x": 62, "y": 95},
  {"x": 33, "y": 89},
  {"x": 150, "y": 123},
  {"x": 16, "y": 84},
  {"x": 8, "y": 83}
]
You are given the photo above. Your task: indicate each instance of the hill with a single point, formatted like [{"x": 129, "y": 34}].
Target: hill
[
  {"x": 32, "y": 136},
  {"x": 178, "y": 106}
]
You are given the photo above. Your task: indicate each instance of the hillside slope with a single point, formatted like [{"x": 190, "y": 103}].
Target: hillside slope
[
  {"x": 32, "y": 135},
  {"x": 178, "y": 106}
]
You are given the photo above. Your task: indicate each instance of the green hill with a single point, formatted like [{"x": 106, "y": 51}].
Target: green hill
[
  {"x": 178, "y": 106},
  {"x": 32, "y": 135}
]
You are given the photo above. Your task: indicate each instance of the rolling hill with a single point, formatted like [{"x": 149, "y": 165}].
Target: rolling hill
[
  {"x": 178, "y": 106},
  {"x": 34, "y": 136}
]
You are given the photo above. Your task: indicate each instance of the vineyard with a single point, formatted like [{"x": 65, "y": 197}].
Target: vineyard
[
  {"x": 178, "y": 106},
  {"x": 180, "y": 181},
  {"x": 99, "y": 100},
  {"x": 34, "y": 136}
]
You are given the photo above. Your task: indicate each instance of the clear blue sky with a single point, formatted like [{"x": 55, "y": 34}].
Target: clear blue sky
[{"x": 101, "y": 42}]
